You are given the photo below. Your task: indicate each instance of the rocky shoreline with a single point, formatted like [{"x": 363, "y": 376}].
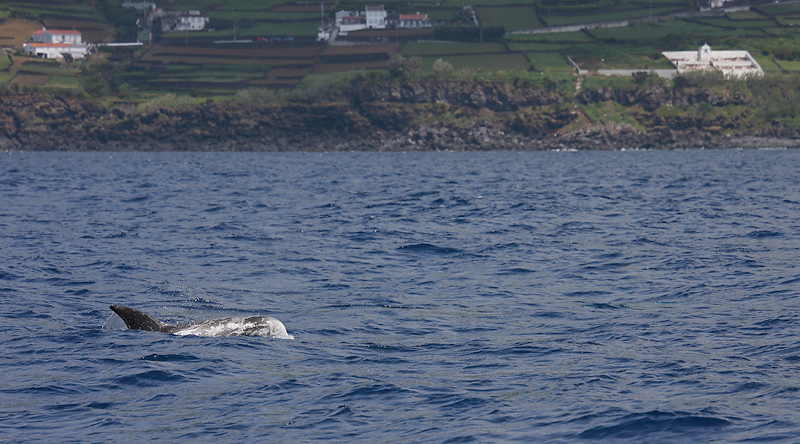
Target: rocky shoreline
[{"x": 394, "y": 116}]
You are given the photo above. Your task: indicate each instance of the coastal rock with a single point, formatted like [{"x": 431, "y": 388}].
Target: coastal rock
[{"x": 400, "y": 115}]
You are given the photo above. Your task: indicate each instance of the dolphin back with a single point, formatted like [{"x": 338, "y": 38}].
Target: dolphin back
[{"x": 136, "y": 320}]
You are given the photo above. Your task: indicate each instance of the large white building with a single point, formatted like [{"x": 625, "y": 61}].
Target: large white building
[
  {"x": 376, "y": 17},
  {"x": 730, "y": 63},
  {"x": 372, "y": 17},
  {"x": 183, "y": 21},
  {"x": 56, "y": 44}
]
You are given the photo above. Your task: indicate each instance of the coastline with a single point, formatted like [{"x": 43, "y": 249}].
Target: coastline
[
  {"x": 580, "y": 141},
  {"x": 401, "y": 116}
]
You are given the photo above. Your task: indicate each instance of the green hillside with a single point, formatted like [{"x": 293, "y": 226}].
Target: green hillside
[{"x": 276, "y": 45}]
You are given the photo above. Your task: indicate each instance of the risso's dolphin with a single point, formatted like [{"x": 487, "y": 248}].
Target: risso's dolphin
[{"x": 249, "y": 326}]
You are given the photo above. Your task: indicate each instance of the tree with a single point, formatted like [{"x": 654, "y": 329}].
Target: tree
[
  {"x": 399, "y": 66},
  {"x": 395, "y": 65},
  {"x": 442, "y": 68},
  {"x": 412, "y": 65}
]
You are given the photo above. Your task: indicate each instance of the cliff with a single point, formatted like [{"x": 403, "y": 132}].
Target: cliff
[{"x": 407, "y": 115}]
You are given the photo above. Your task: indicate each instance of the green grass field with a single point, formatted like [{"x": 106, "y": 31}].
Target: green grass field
[
  {"x": 767, "y": 64},
  {"x": 789, "y": 65},
  {"x": 537, "y": 47},
  {"x": 571, "y": 19},
  {"x": 778, "y": 9},
  {"x": 261, "y": 15},
  {"x": 50, "y": 8},
  {"x": 746, "y": 15},
  {"x": 654, "y": 34},
  {"x": 46, "y": 74},
  {"x": 443, "y": 49},
  {"x": 461, "y": 3},
  {"x": 512, "y": 18},
  {"x": 788, "y": 21},
  {"x": 486, "y": 62},
  {"x": 549, "y": 62},
  {"x": 250, "y": 5},
  {"x": 201, "y": 67},
  {"x": 556, "y": 37},
  {"x": 726, "y": 22}
]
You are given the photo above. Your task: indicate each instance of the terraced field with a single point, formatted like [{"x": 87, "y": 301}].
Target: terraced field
[
  {"x": 221, "y": 69},
  {"x": 16, "y": 69},
  {"x": 193, "y": 62}
]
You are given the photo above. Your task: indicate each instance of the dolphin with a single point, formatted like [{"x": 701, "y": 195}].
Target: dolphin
[{"x": 244, "y": 326}]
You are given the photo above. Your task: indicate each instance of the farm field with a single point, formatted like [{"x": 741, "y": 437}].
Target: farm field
[
  {"x": 14, "y": 33},
  {"x": 767, "y": 64},
  {"x": 789, "y": 65},
  {"x": 191, "y": 62},
  {"x": 43, "y": 8},
  {"x": 484, "y": 63},
  {"x": 512, "y": 17},
  {"x": 26, "y": 71},
  {"x": 549, "y": 62},
  {"x": 444, "y": 49},
  {"x": 193, "y": 69}
]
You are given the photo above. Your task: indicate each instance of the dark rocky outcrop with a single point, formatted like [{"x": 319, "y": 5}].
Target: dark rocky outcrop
[{"x": 400, "y": 115}]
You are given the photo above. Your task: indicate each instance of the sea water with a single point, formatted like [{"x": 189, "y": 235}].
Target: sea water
[{"x": 433, "y": 297}]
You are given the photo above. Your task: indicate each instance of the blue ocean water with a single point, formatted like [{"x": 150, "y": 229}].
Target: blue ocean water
[{"x": 434, "y": 297}]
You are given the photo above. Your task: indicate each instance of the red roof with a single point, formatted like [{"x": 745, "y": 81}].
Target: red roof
[
  {"x": 57, "y": 31},
  {"x": 413, "y": 16},
  {"x": 52, "y": 45}
]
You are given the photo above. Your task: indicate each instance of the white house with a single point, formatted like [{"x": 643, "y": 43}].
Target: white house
[
  {"x": 730, "y": 63},
  {"x": 372, "y": 17},
  {"x": 56, "y": 44},
  {"x": 348, "y": 21},
  {"x": 376, "y": 17},
  {"x": 183, "y": 21},
  {"x": 56, "y": 36}
]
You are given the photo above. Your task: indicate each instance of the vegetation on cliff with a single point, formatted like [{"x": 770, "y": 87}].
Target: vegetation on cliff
[{"x": 383, "y": 112}]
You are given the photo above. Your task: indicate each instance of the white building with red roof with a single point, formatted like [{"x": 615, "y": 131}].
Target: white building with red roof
[
  {"x": 372, "y": 17},
  {"x": 376, "y": 17},
  {"x": 56, "y": 36},
  {"x": 56, "y": 44},
  {"x": 347, "y": 21}
]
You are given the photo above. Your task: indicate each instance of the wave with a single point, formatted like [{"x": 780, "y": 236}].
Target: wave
[
  {"x": 650, "y": 426},
  {"x": 426, "y": 248}
]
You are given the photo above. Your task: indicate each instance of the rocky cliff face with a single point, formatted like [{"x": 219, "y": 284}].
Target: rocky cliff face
[
  {"x": 494, "y": 96},
  {"x": 410, "y": 115}
]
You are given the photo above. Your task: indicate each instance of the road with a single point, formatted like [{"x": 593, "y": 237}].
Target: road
[{"x": 627, "y": 22}]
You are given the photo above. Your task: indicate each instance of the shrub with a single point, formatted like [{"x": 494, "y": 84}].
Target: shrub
[
  {"x": 255, "y": 97},
  {"x": 442, "y": 68},
  {"x": 167, "y": 101},
  {"x": 400, "y": 66}
]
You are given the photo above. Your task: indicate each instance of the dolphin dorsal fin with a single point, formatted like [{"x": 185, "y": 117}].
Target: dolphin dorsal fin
[{"x": 136, "y": 320}]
